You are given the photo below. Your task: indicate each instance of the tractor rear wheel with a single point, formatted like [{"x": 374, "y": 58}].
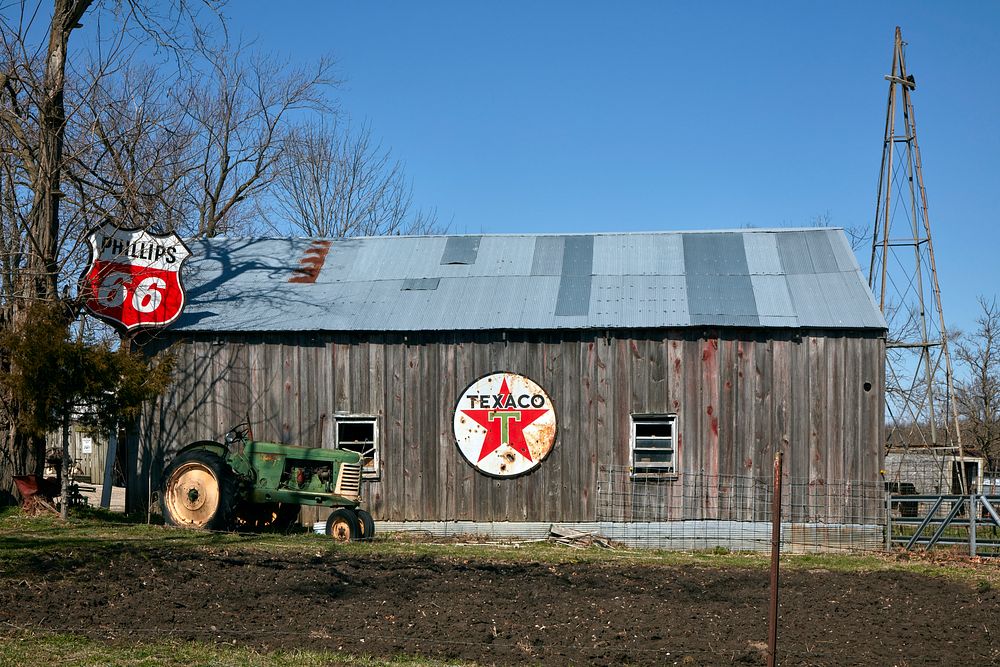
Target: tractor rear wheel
[
  {"x": 366, "y": 523},
  {"x": 199, "y": 491},
  {"x": 343, "y": 525}
]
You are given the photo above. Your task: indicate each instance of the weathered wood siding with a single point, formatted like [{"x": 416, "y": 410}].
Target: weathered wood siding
[
  {"x": 738, "y": 395},
  {"x": 87, "y": 467}
]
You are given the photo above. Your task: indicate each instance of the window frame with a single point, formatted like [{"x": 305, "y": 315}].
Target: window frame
[
  {"x": 374, "y": 471},
  {"x": 654, "y": 470}
]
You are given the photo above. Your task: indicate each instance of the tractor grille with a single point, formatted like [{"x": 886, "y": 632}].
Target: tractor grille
[{"x": 349, "y": 482}]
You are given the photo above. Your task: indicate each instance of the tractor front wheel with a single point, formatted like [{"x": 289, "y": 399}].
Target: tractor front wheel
[
  {"x": 343, "y": 525},
  {"x": 199, "y": 491},
  {"x": 366, "y": 524}
]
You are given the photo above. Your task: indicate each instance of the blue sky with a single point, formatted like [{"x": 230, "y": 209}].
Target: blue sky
[{"x": 586, "y": 116}]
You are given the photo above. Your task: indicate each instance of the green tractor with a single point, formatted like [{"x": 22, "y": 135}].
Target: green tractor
[{"x": 249, "y": 485}]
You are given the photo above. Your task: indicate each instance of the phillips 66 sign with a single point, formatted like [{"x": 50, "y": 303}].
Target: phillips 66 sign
[{"x": 134, "y": 277}]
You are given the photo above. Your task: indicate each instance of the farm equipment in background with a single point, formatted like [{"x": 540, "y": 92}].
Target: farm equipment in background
[
  {"x": 42, "y": 493},
  {"x": 906, "y": 509},
  {"x": 38, "y": 493},
  {"x": 250, "y": 485}
]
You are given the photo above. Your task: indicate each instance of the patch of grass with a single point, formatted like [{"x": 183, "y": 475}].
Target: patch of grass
[
  {"x": 10, "y": 511},
  {"x": 26, "y": 648},
  {"x": 107, "y": 516},
  {"x": 36, "y": 544}
]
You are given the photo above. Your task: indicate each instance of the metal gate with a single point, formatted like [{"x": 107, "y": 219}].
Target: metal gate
[{"x": 929, "y": 521}]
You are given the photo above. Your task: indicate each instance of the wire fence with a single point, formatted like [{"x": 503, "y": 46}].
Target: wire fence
[{"x": 702, "y": 511}]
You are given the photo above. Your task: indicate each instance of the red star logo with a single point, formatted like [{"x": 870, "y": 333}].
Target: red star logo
[{"x": 504, "y": 425}]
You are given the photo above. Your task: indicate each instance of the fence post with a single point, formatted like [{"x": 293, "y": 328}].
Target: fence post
[
  {"x": 109, "y": 468},
  {"x": 772, "y": 633},
  {"x": 888, "y": 520},
  {"x": 973, "y": 507}
]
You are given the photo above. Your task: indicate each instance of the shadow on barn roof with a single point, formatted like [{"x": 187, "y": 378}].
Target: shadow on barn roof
[{"x": 785, "y": 278}]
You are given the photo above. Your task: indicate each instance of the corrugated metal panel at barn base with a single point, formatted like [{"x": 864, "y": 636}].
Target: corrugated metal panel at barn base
[{"x": 676, "y": 535}]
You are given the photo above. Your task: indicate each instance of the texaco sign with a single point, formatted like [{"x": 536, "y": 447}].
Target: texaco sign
[
  {"x": 505, "y": 424},
  {"x": 134, "y": 277}
]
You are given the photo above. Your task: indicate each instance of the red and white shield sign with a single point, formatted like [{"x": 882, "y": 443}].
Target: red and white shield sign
[
  {"x": 134, "y": 277},
  {"x": 505, "y": 425}
]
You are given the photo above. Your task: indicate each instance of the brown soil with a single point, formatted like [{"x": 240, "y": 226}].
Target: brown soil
[{"x": 505, "y": 613}]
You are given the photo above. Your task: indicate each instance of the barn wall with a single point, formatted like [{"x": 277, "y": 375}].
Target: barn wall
[{"x": 738, "y": 395}]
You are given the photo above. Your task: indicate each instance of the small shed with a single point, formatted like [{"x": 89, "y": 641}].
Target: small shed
[
  {"x": 934, "y": 471},
  {"x": 676, "y": 364}
]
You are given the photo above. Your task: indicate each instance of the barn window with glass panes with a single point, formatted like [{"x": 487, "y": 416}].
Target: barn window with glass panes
[
  {"x": 360, "y": 434},
  {"x": 654, "y": 452}
]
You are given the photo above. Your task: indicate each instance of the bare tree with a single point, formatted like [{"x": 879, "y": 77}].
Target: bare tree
[
  {"x": 240, "y": 121},
  {"x": 34, "y": 115},
  {"x": 150, "y": 123},
  {"x": 40, "y": 220},
  {"x": 193, "y": 154},
  {"x": 978, "y": 395},
  {"x": 33, "y": 121},
  {"x": 338, "y": 182},
  {"x": 133, "y": 152}
]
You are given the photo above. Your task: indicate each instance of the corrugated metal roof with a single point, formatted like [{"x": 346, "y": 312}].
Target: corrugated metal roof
[
  {"x": 718, "y": 280},
  {"x": 788, "y": 278},
  {"x": 461, "y": 250}
]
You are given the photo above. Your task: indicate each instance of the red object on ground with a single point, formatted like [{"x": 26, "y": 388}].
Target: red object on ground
[{"x": 30, "y": 485}]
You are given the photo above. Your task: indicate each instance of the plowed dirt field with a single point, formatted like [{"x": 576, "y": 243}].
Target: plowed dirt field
[{"x": 504, "y": 613}]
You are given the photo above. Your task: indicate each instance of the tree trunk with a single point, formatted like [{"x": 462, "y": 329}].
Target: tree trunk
[
  {"x": 17, "y": 457},
  {"x": 41, "y": 279},
  {"x": 43, "y": 222}
]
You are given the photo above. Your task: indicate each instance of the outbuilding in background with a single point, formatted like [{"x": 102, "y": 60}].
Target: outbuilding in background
[{"x": 935, "y": 472}]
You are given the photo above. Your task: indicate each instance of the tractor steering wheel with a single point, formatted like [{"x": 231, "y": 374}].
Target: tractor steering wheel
[{"x": 238, "y": 432}]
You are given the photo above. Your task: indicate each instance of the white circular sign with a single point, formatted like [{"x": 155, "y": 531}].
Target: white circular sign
[{"x": 505, "y": 424}]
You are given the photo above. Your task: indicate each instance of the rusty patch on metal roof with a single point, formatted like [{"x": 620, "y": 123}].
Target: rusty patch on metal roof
[{"x": 311, "y": 263}]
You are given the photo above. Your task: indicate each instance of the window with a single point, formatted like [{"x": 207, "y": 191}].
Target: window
[
  {"x": 653, "y": 451},
  {"x": 360, "y": 434}
]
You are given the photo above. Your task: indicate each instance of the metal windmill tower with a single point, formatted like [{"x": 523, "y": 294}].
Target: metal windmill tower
[{"x": 920, "y": 395}]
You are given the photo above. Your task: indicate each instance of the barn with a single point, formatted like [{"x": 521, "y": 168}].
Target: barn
[{"x": 518, "y": 381}]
